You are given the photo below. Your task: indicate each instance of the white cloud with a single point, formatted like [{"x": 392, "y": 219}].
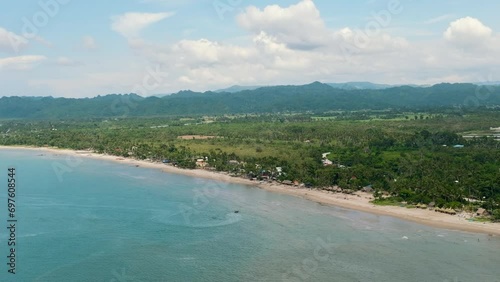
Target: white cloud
[
  {"x": 89, "y": 43},
  {"x": 21, "y": 62},
  {"x": 11, "y": 42},
  {"x": 356, "y": 42},
  {"x": 268, "y": 44},
  {"x": 468, "y": 32},
  {"x": 130, "y": 24},
  {"x": 287, "y": 45},
  {"x": 300, "y": 26},
  {"x": 203, "y": 51}
]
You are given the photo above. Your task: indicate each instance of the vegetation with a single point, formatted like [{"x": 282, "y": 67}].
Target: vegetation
[
  {"x": 412, "y": 160},
  {"x": 496, "y": 215}
]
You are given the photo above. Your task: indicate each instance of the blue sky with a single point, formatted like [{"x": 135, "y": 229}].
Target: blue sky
[{"x": 75, "y": 48}]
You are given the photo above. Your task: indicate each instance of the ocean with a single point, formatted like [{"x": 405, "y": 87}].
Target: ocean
[{"x": 93, "y": 220}]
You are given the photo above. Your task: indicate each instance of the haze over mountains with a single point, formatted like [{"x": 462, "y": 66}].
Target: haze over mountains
[
  {"x": 342, "y": 85},
  {"x": 315, "y": 97}
]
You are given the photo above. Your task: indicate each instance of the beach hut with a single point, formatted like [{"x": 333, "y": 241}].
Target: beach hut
[
  {"x": 451, "y": 211},
  {"x": 481, "y": 212},
  {"x": 440, "y": 210},
  {"x": 287, "y": 182}
]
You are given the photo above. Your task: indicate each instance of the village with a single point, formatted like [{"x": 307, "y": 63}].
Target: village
[{"x": 272, "y": 177}]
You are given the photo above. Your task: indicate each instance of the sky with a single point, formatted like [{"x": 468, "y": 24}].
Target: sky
[{"x": 76, "y": 48}]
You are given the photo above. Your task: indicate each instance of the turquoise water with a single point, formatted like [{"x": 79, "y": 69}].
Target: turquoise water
[{"x": 90, "y": 220}]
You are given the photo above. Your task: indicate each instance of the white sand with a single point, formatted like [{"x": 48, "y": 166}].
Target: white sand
[{"x": 359, "y": 201}]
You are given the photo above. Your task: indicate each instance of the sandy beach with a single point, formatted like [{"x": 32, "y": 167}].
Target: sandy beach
[{"x": 359, "y": 201}]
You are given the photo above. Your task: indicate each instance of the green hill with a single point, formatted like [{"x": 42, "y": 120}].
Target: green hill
[{"x": 315, "y": 97}]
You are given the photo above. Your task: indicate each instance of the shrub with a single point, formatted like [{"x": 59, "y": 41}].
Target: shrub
[
  {"x": 454, "y": 205},
  {"x": 496, "y": 215}
]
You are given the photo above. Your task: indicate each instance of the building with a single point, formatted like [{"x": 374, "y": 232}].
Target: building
[
  {"x": 327, "y": 162},
  {"x": 481, "y": 212},
  {"x": 202, "y": 162}
]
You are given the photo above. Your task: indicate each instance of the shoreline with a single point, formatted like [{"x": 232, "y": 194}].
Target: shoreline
[{"x": 359, "y": 201}]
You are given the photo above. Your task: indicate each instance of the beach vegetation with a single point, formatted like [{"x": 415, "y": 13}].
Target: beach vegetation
[{"x": 496, "y": 215}]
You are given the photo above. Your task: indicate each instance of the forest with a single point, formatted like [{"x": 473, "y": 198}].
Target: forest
[
  {"x": 445, "y": 156},
  {"x": 315, "y": 97}
]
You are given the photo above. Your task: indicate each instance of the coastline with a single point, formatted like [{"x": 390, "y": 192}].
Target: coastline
[{"x": 359, "y": 201}]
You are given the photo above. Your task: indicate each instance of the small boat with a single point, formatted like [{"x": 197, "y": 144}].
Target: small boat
[{"x": 236, "y": 211}]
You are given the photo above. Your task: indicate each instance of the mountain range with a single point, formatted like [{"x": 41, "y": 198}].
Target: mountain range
[
  {"x": 315, "y": 97},
  {"x": 355, "y": 85}
]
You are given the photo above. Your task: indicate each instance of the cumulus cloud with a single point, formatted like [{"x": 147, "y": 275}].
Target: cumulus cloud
[
  {"x": 203, "y": 51},
  {"x": 268, "y": 44},
  {"x": 21, "y": 62},
  {"x": 300, "y": 26},
  {"x": 89, "y": 43},
  {"x": 11, "y": 42},
  {"x": 468, "y": 32},
  {"x": 287, "y": 44},
  {"x": 130, "y": 24},
  {"x": 360, "y": 42}
]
